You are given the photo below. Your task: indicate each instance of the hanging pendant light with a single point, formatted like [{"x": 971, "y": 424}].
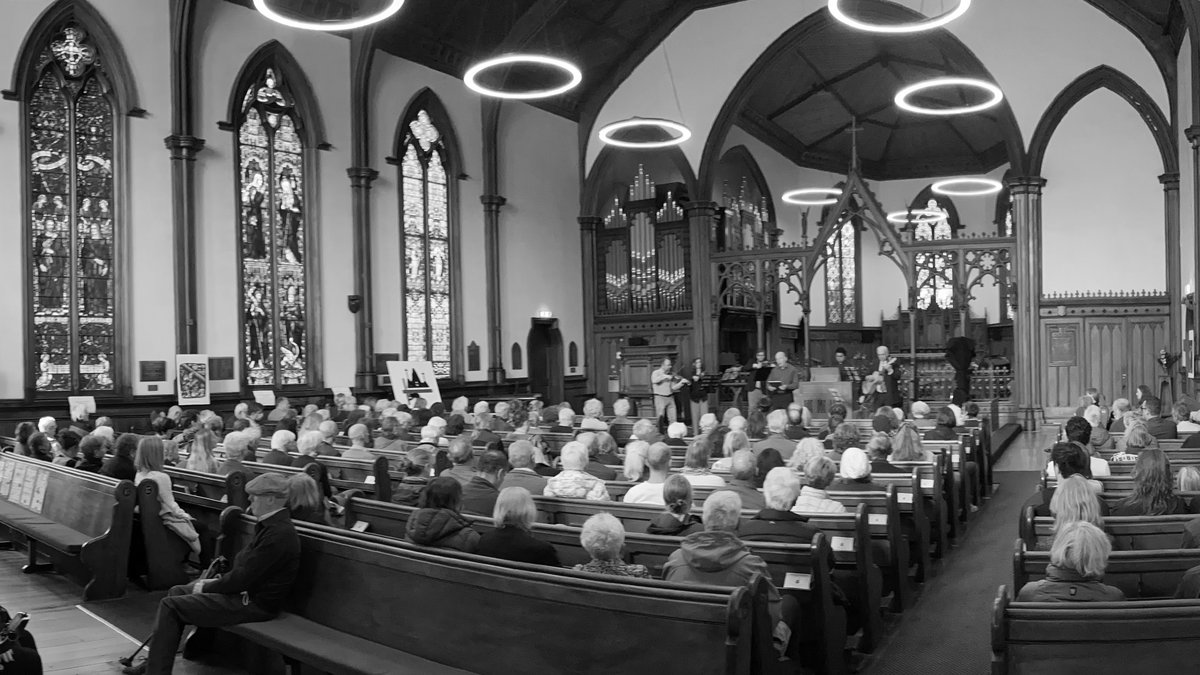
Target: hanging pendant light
[
  {"x": 967, "y": 187},
  {"x": 812, "y": 196},
  {"x": 644, "y": 128},
  {"x": 265, "y": 9},
  {"x": 903, "y": 102},
  {"x": 835, "y": 8},
  {"x": 574, "y": 75}
]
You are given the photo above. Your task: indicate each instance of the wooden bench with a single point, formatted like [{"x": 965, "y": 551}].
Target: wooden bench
[
  {"x": 888, "y": 544},
  {"x": 231, "y": 488},
  {"x": 83, "y": 520},
  {"x": 824, "y": 626},
  {"x": 1129, "y": 533},
  {"x": 165, "y": 551},
  {"x": 370, "y": 604},
  {"x": 1139, "y": 574},
  {"x": 1094, "y": 638}
]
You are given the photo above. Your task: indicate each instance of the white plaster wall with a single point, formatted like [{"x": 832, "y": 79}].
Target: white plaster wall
[
  {"x": 143, "y": 31},
  {"x": 1033, "y": 49},
  {"x": 229, "y": 34},
  {"x": 1102, "y": 207}
]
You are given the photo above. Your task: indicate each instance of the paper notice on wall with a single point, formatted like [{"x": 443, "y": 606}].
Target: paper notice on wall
[
  {"x": 27, "y": 487},
  {"x": 39, "y": 491},
  {"x": 6, "y": 475},
  {"x": 18, "y": 484},
  {"x": 264, "y": 397},
  {"x": 89, "y": 401},
  {"x": 411, "y": 379},
  {"x": 340, "y": 391}
]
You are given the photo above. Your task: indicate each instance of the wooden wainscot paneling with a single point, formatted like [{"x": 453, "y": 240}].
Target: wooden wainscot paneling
[{"x": 1109, "y": 341}]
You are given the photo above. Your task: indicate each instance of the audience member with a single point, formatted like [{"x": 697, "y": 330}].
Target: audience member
[
  {"x": 572, "y": 482},
  {"x": 1153, "y": 488},
  {"x": 237, "y": 447},
  {"x": 120, "y": 465},
  {"x": 775, "y": 521},
  {"x": 1186, "y": 421},
  {"x": 307, "y": 446},
  {"x": 644, "y": 430},
  {"x": 856, "y": 473},
  {"x": 1158, "y": 426},
  {"x": 658, "y": 461},
  {"x": 253, "y": 590},
  {"x": 360, "y": 436},
  {"x": 304, "y": 500},
  {"x": 484, "y": 434},
  {"x": 675, "y": 433},
  {"x": 906, "y": 445},
  {"x": 606, "y": 449},
  {"x": 479, "y": 493},
  {"x": 1068, "y": 459},
  {"x": 677, "y": 520},
  {"x": 919, "y": 410},
  {"x": 91, "y": 450},
  {"x": 149, "y": 465},
  {"x": 283, "y": 407},
  {"x": 566, "y": 422},
  {"x": 522, "y": 473},
  {"x": 329, "y": 432},
  {"x": 845, "y": 436},
  {"x": 717, "y": 557},
  {"x": 837, "y": 415},
  {"x": 1116, "y": 423},
  {"x": 391, "y": 436},
  {"x": 1137, "y": 439},
  {"x": 438, "y": 522},
  {"x": 415, "y": 467},
  {"x": 462, "y": 459},
  {"x": 512, "y": 538},
  {"x": 731, "y": 442},
  {"x": 603, "y": 537},
  {"x": 944, "y": 431},
  {"x": 39, "y": 446},
  {"x": 777, "y": 424},
  {"x": 1188, "y": 479},
  {"x": 879, "y": 448},
  {"x": 282, "y": 443},
  {"x": 1078, "y": 559},
  {"x": 741, "y": 479},
  {"x": 767, "y": 459},
  {"x": 23, "y": 432},
  {"x": 621, "y": 412},
  {"x": 68, "y": 448},
  {"x": 1079, "y": 432},
  {"x": 1075, "y": 500},
  {"x": 695, "y": 464},
  {"x": 756, "y": 425},
  {"x": 820, "y": 472},
  {"x": 591, "y": 441},
  {"x": 798, "y": 419},
  {"x": 592, "y": 410},
  {"x": 1098, "y": 438}
]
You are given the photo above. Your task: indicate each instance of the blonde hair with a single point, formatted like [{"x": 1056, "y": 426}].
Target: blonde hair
[
  {"x": 635, "y": 459},
  {"x": 1083, "y": 547},
  {"x": 906, "y": 445},
  {"x": 1073, "y": 501},
  {"x": 808, "y": 448},
  {"x": 734, "y": 441},
  {"x": 515, "y": 507},
  {"x": 1189, "y": 479},
  {"x": 200, "y": 457}
]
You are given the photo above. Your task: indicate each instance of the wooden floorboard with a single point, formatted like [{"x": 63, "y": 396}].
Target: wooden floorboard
[{"x": 69, "y": 639}]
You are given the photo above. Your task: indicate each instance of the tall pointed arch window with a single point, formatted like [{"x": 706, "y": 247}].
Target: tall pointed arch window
[
  {"x": 935, "y": 271},
  {"x": 70, "y": 131},
  {"x": 427, "y": 287},
  {"x": 276, "y": 336},
  {"x": 842, "y": 264}
]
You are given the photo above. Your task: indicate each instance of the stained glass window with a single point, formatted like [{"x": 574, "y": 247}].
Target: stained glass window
[
  {"x": 841, "y": 275},
  {"x": 272, "y": 234},
  {"x": 425, "y": 196},
  {"x": 69, "y": 126},
  {"x": 935, "y": 271}
]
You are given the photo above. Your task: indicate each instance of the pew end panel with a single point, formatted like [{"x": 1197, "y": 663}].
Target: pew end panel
[{"x": 165, "y": 551}]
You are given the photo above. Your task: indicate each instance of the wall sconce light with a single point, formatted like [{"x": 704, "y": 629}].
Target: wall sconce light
[{"x": 545, "y": 314}]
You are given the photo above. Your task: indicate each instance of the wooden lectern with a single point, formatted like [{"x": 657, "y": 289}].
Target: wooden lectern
[{"x": 636, "y": 365}]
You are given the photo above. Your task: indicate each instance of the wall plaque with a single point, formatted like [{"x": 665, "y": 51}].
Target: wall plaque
[
  {"x": 1064, "y": 348},
  {"x": 153, "y": 371},
  {"x": 220, "y": 368}
]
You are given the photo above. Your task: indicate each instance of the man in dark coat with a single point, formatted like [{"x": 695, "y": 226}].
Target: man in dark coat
[
  {"x": 254, "y": 589},
  {"x": 480, "y": 493},
  {"x": 888, "y": 368},
  {"x": 960, "y": 353}
]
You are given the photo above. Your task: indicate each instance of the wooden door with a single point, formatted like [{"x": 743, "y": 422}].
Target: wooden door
[{"x": 1107, "y": 358}]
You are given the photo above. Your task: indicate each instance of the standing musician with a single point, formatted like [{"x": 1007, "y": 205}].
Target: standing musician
[
  {"x": 889, "y": 370},
  {"x": 846, "y": 371},
  {"x": 694, "y": 391},
  {"x": 665, "y": 383}
]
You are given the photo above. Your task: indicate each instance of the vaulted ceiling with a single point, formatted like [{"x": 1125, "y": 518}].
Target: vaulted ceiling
[{"x": 800, "y": 105}]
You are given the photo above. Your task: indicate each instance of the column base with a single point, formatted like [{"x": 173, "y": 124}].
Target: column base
[
  {"x": 1030, "y": 416},
  {"x": 496, "y": 377},
  {"x": 366, "y": 382}
]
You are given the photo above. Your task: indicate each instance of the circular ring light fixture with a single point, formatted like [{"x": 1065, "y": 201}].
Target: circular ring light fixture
[
  {"x": 265, "y": 9},
  {"x": 916, "y": 217},
  {"x": 607, "y": 133},
  {"x": 967, "y": 187},
  {"x": 903, "y": 95},
  {"x": 835, "y": 8},
  {"x": 824, "y": 196},
  {"x": 525, "y": 59}
]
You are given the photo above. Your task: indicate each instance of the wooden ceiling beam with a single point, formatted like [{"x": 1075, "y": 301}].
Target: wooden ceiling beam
[{"x": 825, "y": 84}]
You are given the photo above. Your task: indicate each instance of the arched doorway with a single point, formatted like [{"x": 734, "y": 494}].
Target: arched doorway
[{"x": 544, "y": 348}]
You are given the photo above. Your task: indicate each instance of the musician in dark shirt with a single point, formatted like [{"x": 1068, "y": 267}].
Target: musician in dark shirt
[
  {"x": 253, "y": 590},
  {"x": 846, "y": 371},
  {"x": 760, "y": 370},
  {"x": 695, "y": 392}
]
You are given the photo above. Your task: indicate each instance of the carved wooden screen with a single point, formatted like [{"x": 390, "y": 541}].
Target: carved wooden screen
[
  {"x": 643, "y": 253},
  {"x": 71, "y": 238},
  {"x": 935, "y": 271}
]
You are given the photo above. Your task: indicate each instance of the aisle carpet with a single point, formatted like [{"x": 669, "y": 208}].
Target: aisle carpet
[{"x": 949, "y": 629}]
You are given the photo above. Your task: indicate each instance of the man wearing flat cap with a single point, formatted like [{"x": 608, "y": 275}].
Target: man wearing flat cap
[{"x": 254, "y": 589}]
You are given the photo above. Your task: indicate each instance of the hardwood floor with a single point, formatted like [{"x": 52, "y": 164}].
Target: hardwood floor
[{"x": 71, "y": 639}]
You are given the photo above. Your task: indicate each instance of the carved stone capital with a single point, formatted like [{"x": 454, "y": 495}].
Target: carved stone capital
[
  {"x": 1170, "y": 181},
  {"x": 1031, "y": 185},
  {"x": 700, "y": 209},
  {"x": 1192, "y": 133},
  {"x": 492, "y": 203},
  {"x": 361, "y": 176},
  {"x": 183, "y": 147},
  {"x": 590, "y": 223}
]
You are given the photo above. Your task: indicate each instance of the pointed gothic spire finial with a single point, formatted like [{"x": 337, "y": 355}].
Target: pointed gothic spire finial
[{"x": 853, "y": 131}]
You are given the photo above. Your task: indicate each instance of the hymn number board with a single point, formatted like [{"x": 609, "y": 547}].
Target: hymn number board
[{"x": 643, "y": 251}]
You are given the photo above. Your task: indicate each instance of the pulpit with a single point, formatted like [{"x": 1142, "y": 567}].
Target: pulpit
[{"x": 637, "y": 362}]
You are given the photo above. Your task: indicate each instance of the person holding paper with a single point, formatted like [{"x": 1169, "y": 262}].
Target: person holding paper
[{"x": 782, "y": 381}]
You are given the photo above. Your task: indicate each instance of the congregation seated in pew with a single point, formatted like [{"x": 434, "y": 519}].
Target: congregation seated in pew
[
  {"x": 658, "y": 462},
  {"x": 573, "y": 481},
  {"x": 676, "y": 519},
  {"x": 514, "y": 514},
  {"x": 603, "y": 537},
  {"x": 1078, "y": 559},
  {"x": 438, "y": 522},
  {"x": 1154, "y": 489}
]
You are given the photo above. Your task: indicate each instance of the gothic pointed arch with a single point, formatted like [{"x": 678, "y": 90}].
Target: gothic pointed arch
[
  {"x": 934, "y": 270},
  {"x": 426, "y": 151},
  {"x": 841, "y": 260},
  {"x": 276, "y": 129},
  {"x": 1103, "y": 77},
  {"x": 76, "y": 92},
  {"x": 744, "y": 199}
]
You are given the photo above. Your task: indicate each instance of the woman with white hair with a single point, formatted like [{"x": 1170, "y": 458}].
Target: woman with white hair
[
  {"x": 1078, "y": 559},
  {"x": 359, "y": 437},
  {"x": 1100, "y": 439},
  {"x": 1117, "y": 423},
  {"x": 566, "y": 422},
  {"x": 635, "y": 460},
  {"x": 621, "y": 411},
  {"x": 307, "y": 445},
  {"x": 513, "y": 516},
  {"x": 283, "y": 442},
  {"x": 734, "y": 440},
  {"x": 645, "y": 430},
  {"x": 572, "y": 482},
  {"x": 602, "y": 537},
  {"x": 807, "y": 449},
  {"x": 592, "y": 410},
  {"x": 776, "y": 522}
]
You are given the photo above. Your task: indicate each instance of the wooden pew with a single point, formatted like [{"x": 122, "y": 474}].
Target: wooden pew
[
  {"x": 231, "y": 488},
  {"x": 84, "y": 520},
  {"x": 344, "y": 616},
  {"x": 888, "y": 545},
  {"x": 1094, "y": 638},
  {"x": 165, "y": 551},
  {"x": 1140, "y": 574},
  {"x": 1129, "y": 533},
  {"x": 942, "y": 504},
  {"x": 914, "y": 500},
  {"x": 823, "y": 627}
]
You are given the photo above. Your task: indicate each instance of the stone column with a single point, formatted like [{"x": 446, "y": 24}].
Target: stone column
[
  {"x": 491, "y": 239},
  {"x": 1026, "y": 192},
  {"x": 1193, "y": 136},
  {"x": 183, "y": 214},
  {"x": 597, "y": 382},
  {"x": 701, "y": 216},
  {"x": 361, "y": 178},
  {"x": 1170, "y": 183}
]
